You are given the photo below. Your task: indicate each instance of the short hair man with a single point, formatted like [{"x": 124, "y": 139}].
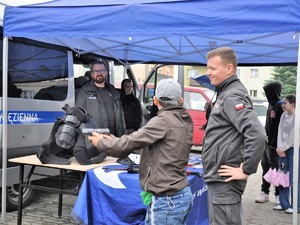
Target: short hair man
[
  {"x": 166, "y": 141},
  {"x": 102, "y": 101},
  {"x": 234, "y": 140}
]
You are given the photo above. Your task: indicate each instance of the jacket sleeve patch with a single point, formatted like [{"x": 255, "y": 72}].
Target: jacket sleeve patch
[{"x": 239, "y": 106}]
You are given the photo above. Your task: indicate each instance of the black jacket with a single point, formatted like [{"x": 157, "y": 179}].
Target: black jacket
[
  {"x": 272, "y": 91},
  {"x": 233, "y": 134},
  {"x": 89, "y": 100},
  {"x": 132, "y": 111}
]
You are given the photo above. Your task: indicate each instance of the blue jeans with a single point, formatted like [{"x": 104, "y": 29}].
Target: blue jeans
[
  {"x": 170, "y": 210},
  {"x": 284, "y": 193}
]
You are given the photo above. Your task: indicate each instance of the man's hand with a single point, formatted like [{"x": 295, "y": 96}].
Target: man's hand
[
  {"x": 232, "y": 173},
  {"x": 95, "y": 138}
]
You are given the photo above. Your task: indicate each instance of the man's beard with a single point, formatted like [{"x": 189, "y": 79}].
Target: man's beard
[{"x": 99, "y": 79}]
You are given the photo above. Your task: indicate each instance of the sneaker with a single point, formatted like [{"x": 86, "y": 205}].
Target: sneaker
[
  {"x": 278, "y": 207},
  {"x": 289, "y": 211},
  {"x": 262, "y": 198},
  {"x": 277, "y": 202}
]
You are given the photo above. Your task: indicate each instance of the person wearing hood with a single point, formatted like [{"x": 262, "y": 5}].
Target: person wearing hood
[
  {"x": 166, "y": 141},
  {"x": 270, "y": 157},
  {"x": 131, "y": 107},
  {"x": 234, "y": 140}
]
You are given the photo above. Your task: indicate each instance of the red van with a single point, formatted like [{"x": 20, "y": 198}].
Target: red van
[{"x": 195, "y": 99}]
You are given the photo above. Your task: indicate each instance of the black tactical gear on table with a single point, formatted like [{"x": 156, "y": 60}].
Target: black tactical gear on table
[{"x": 64, "y": 137}]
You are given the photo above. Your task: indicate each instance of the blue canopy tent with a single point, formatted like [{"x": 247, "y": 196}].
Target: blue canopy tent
[
  {"x": 261, "y": 32},
  {"x": 171, "y": 31}
]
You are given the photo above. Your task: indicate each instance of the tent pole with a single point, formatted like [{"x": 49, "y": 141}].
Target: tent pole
[
  {"x": 4, "y": 128},
  {"x": 296, "y": 141}
]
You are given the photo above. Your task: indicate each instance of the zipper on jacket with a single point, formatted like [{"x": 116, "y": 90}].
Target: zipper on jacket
[{"x": 148, "y": 175}]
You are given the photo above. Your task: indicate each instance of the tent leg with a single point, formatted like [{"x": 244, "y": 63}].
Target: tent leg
[
  {"x": 4, "y": 128},
  {"x": 296, "y": 142}
]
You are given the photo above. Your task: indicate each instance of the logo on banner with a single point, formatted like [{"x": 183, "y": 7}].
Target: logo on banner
[
  {"x": 110, "y": 178},
  {"x": 200, "y": 191}
]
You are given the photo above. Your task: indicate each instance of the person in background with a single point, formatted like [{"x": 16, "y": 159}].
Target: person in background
[
  {"x": 285, "y": 151},
  {"x": 103, "y": 104},
  {"x": 234, "y": 140},
  {"x": 102, "y": 101},
  {"x": 270, "y": 157},
  {"x": 131, "y": 107},
  {"x": 166, "y": 141}
]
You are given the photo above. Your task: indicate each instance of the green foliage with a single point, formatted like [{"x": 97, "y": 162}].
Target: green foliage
[{"x": 287, "y": 76}]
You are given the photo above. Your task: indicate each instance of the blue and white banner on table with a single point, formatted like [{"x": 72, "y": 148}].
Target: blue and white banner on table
[{"x": 113, "y": 197}]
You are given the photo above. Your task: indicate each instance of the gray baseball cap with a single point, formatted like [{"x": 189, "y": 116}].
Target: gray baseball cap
[{"x": 168, "y": 91}]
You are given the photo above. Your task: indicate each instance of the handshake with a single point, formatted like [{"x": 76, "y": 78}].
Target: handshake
[{"x": 89, "y": 131}]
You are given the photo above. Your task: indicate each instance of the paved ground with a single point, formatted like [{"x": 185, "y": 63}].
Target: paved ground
[
  {"x": 43, "y": 211},
  {"x": 262, "y": 213}
]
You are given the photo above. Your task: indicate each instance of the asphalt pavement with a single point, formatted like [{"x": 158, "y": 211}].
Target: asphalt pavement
[{"x": 43, "y": 210}]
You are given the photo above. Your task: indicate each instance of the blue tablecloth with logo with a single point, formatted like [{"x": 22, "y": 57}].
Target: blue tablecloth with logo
[{"x": 113, "y": 198}]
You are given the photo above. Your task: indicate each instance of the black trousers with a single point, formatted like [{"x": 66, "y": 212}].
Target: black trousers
[
  {"x": 269, "y": 160},
  {"x": 224, "y": 204}
]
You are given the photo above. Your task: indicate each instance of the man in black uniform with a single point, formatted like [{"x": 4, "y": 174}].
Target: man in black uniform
[
  {"x": 234, "y": 140},
  {"x": 102, "y": 102}
]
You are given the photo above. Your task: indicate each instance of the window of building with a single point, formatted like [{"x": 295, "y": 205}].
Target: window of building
[
  {"x": 254, "y": 73},
  {"x": 253, "y": 93},
  {"x": 192, "y": 73},
  {"x": 238, "y": 73}
]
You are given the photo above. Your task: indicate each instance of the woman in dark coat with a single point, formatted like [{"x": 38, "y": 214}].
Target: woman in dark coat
[{"x": 131, "y": 107}]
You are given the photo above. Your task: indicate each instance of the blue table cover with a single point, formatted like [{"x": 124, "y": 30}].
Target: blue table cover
[{"x": 113, "y": 198}]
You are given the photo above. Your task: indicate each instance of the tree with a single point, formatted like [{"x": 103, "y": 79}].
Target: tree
[{"x": 287, "y": 76}]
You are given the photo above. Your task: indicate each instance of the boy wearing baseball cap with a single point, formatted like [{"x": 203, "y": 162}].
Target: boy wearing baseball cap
[{"x": 166, "y": 141}]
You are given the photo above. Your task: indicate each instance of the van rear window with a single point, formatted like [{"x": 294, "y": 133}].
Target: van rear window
[{"x": 35, "y": 70}]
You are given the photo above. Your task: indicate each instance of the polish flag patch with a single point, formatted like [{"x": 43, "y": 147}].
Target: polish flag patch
[{"x": 239, "y": 106}]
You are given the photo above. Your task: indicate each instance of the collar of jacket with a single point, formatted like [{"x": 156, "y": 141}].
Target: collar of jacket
[
  {"x": 226, "y": 83},
  {"x": 170, "y": 107},
  {"x": 108, "y": 86}
]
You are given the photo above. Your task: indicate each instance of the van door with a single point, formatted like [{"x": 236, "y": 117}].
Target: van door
[{"x": 195, "y": 97}]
